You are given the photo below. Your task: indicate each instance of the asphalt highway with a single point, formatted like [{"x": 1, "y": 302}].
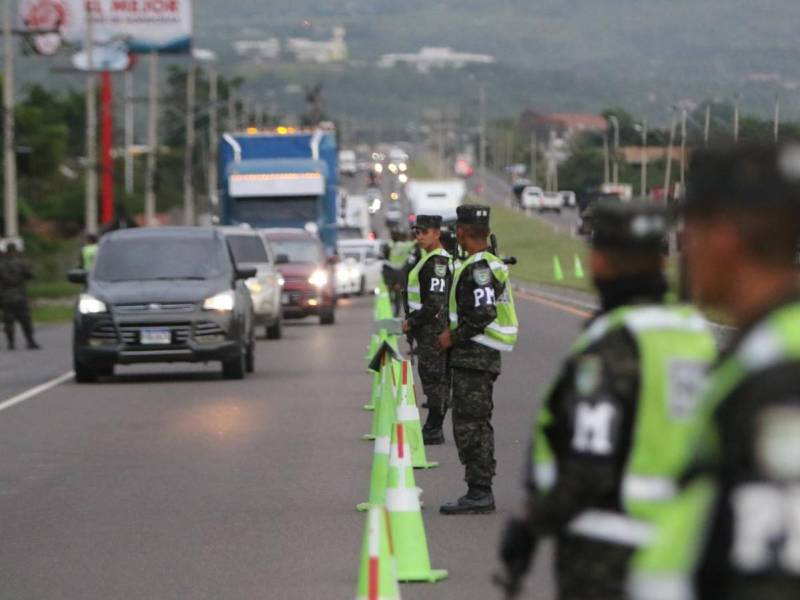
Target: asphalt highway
[{"x": 166, "y": 482}]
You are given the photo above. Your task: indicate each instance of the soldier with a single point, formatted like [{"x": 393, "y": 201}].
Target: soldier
[
  {"x": 610, "y": 436},
  {"x": 734, "y": 533},
  {"x": 88, "y": 252},
  {"x": 428, "y": 284},
  {"x": 14, "y": 274},
  {"x": 482, "y": 323}
]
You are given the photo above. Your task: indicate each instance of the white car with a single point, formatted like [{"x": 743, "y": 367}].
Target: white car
[
  {"x": 360, "y": 267},
  {"x": 552, "y": 201},
  {"x": 570, "y": 199},
  {"x": 347, "y": 162},
  {"x": 531, "y": 197}
]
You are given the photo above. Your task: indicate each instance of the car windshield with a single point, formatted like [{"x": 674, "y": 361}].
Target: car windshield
[
  {"x": 302, "y": 251},
  {"x": 247, "y": 249},
  {"x": 154, "y": 258}
]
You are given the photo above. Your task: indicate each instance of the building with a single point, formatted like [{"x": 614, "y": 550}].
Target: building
[
  {"x": 258, "y": 50},
  {"x": 562, "y": 125},
  {"x": 321, "y": 52},
  {"x": 435, "y": 58}
]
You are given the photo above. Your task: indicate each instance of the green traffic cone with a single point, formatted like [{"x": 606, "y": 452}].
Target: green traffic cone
[
  {"x": 578, "y": 268},
  {"x": 377, "y": 575},
  {"x": 408, "y": 416},
  {"x": 558, "y": 274}
]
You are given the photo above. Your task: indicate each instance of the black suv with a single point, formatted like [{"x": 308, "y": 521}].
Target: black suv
[{"x": 170, "y": 294}]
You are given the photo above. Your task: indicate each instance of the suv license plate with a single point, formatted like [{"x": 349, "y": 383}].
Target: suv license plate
[{"x": 155, "y": 336}]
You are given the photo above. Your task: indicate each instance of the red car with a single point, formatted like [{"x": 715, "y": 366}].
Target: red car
[{"x": 307, "y": 272}]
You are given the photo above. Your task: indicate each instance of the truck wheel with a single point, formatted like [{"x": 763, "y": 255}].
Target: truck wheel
[
  {"x": 327, "y": 317},
  {"x": 274, "y": 331},
  {"x": 84, "y": 374},
  {"x": 235, "y": 367}
]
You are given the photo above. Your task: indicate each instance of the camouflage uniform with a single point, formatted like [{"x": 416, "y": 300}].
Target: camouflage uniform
[
  {"x": 14, "y": 274},
  {"x": 474, "y": 368}
]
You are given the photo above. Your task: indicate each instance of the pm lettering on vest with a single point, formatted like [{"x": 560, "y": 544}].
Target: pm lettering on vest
[
  {"x": 437, "y": 285},
  {"x": 483, "y": 296},
  {"x": 593, "y": 428}
]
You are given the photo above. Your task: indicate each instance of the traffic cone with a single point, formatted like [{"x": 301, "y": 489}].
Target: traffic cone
[
  {"x": 377, "y": 576},
  {"x": 384, "y": 413},
  {"x": 405, "y": 517},
  {"x": 376, "y": 390},
  {"x": 578, "y": 268},
  {"x": 558, "y": 274},
  {"x": 408, "y": 415}
]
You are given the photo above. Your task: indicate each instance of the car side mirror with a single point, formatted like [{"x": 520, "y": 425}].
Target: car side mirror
[
  {"x": 282, "y": 259},
  {"x": 79, "y": 276},
  {"x": 245, "y": 272}
]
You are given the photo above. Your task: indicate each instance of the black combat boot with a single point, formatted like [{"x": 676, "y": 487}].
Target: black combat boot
[
  {"x": 478, "y": 500},
  {"x": 432, "y": 436},
  {"x": 32, "y": 345}
]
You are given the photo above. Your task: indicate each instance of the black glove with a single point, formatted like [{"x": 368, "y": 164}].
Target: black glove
[{"x": 516, "y": 552}]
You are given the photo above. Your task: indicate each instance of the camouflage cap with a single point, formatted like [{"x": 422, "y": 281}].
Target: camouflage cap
[
  {"x": 747, "y": 177},
  {"x": 473, "y": 214},
  {"x": 628, "y": 225},
  {"x": 427, "y": 222}
]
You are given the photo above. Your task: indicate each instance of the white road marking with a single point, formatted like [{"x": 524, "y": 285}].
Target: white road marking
[{"x": 35, "y": 391}]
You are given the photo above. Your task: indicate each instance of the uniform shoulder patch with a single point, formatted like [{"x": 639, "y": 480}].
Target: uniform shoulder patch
[
  {"x": 440, "y": 268},
  {"x": 588, "y": 374},
  {"x": 482, "y": 275}
]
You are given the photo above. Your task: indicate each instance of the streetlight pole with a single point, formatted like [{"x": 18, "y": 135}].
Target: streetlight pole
[
  {"x": 736, "y": 119},
  {"x": 213, "y": 132},
  {"x": 152, "y": 143},
  {"x": 668, "y": 170},
  {"x": 188, "y": 156},
  {"x": 606, "y": 166},
  {"x": 482, "y": 149},
  {"x": 129, "y": 124},
  {"x": 90, "y": 199},
  {"x": 9, "y": 156},
  {"x": 643, "y": 187},
  {"x": 707, "y": 126},
  {"x": 777, "y": 117},
  {"x": 533, "y": 155},
  {"x": 683, "y": 149}
]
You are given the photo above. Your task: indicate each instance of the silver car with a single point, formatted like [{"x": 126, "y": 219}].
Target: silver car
[{"x": 250, "y": 249}]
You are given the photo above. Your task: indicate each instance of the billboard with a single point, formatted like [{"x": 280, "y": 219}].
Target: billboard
[{"x": 143, "y": 25}]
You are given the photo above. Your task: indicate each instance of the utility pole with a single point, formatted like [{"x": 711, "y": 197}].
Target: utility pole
[
  {"x": 232, "y": 120},
  {"x": 90, "y": 199},
  {"x": 9, "y": 152},
  {"x": 615, "y": 122},
  {"x": 152, "y": 143},
  {"x": 683, "y": 149},
  {"x": 482, "y": 149},
  {"x": 188, "y": 156},
  {"x": 736, "y": 120},
  {"x": 213, "y": 133},
  {"x": 668, "y": 170},
  {"x": 533, "y": 155},
  {"x": 643, "y": 187},
  {"x": 777, "y": 117},
  {"x": 707, "y": 126},
  {"x": 606, "y": 166}
]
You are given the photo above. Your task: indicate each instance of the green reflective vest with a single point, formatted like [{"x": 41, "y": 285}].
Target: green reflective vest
[
  {"x": 500, "y": 334},
  {"x": 413, "y": 290},
  {"x": 88, "y": 253},
  {"x": 398, "y": 256},
  {"x": 664, "y": 568},
  {"x": 675, "y": 348}
]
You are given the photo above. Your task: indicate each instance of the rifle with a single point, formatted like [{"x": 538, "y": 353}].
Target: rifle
[{"x": 508, "y": 260}]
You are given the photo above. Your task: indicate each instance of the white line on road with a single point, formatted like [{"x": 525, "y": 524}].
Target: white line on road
[{"x": 35, "y": 391}]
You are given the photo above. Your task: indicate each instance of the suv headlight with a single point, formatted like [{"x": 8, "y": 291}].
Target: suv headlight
[
  {"x": 319, "y": 278},
  {"x": 224, "y": 302},
  {"x": 89, "y": 305}
]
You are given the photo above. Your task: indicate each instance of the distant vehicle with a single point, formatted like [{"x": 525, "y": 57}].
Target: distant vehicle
[
  {"x": 517, "y": 186},
  {"x": 360, "y": 265},
  {"x": 623, "y": 190},
  {"x": 280, "y": 178},
  {"x": 397, "y": 156},
  {"x": 531, "y": 198},
  {"x": 347, "y": 163},
  {"x": 346, "y": 232},
  {"x": 169, "y": 294},
  {"x": 463, "y": 165},
  {"x": 308, "y": 287},
  {"x": 436, "y": 197},
  {"x": 551, "y": 201},
  {"x": 355, "y": 213},
  {"x": 570, "y": 199},
  {"x": 250, "y": 249},
  {"x": 394, "y": 217}
]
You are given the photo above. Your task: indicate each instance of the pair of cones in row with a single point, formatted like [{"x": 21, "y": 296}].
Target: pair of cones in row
[
  {"x": 558, "y": 272},
  {"x": 395, "y": 546}
]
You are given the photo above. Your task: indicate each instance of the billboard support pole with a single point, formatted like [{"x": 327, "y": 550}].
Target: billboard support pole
[
  {"x": 90, "y": 198},
  {"x": 152, "y": 143},
  {"x": 213, "y": 127},
  {"x": 106, "y": 140},
  {"x": 128, "y": 131},
  {"x": 188, "y": 157},
  {"x": 9, "y": 157}
]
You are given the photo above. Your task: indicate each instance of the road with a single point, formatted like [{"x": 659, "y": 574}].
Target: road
[{"x": 167, "y": 482}]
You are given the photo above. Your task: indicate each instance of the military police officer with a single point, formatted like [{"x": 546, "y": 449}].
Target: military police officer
[
  {"x": 610, "y": 437},
  {"x": 734, "y": 533},
  {"x": 428, "y": 316},
  {"x": 482, "y": 324},
  {"x": 15, "y": 272}
]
